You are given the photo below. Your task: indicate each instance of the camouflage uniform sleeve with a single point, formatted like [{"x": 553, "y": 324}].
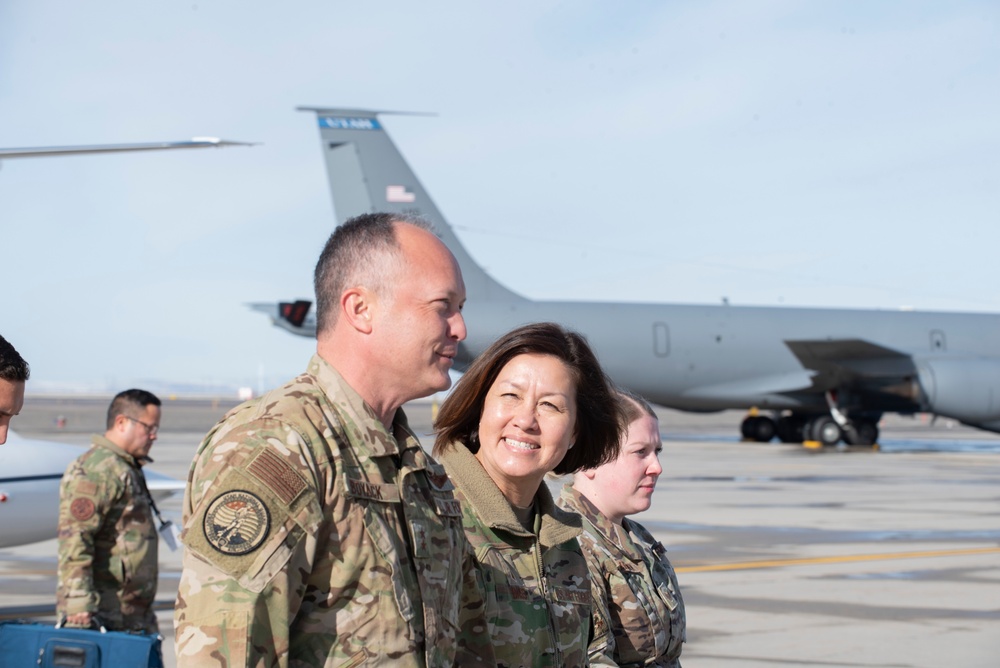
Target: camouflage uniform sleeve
[
  {"x": 84, "y": 502},
  {"x": 251, "y": 520}
]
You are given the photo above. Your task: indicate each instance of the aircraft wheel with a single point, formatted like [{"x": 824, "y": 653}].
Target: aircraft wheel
[
  {"x": 747, "y": 427},
  {"x": 825, "y": 430},
  {"x": 763, "y": 430},
  {"x": 791, "y": 429},
  {"x": 758, "y": 428},
  {"x": 867, "y": 432}
]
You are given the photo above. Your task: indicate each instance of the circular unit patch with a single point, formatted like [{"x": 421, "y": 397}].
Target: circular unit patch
[
  {"x": 82, "y": 509},
  {"x": 237, "y": 523}
]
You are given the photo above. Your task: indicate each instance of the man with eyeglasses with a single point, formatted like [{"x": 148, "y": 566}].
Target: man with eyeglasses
[{"x": 107, "y": 534}]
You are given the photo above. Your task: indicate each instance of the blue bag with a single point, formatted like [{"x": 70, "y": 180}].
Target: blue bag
[{"x": 23, "y": 645}]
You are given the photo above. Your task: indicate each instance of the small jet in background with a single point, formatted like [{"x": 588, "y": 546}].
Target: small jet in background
[
  {"x": 823, "y": 374},
  {"x": 30, "y": 472}
]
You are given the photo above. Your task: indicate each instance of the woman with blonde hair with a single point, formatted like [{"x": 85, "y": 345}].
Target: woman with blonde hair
[{"x": 638, "y": 610}]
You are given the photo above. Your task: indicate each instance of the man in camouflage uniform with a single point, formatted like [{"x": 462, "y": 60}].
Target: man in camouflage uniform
[
  {"x": 318, "y": 532},
  {"x": 107, "y": 536},
  {"x": 14, "y": 372}
]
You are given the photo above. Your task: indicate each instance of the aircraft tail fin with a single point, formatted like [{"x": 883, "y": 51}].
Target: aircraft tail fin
[{"x": 367, "y": 173}]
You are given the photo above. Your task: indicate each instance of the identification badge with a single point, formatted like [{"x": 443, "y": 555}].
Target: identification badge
[{"x": 168, "y": 531}]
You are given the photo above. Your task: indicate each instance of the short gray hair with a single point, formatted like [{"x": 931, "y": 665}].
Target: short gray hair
[{"x": 361, "y": 251}]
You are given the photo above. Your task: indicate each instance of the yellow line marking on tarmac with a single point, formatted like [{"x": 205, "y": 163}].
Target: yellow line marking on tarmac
[{"x": 777, "y": 563}]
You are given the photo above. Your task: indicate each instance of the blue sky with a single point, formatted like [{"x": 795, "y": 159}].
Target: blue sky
[{"x": 840, "y": 154}]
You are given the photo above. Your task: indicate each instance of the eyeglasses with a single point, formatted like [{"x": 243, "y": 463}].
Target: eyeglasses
[{"x": 151, "y": 429}]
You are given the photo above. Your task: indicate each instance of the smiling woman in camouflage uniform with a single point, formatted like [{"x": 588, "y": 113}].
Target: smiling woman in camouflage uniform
[
  {"x": 536, "y": 401},
  {"x": 638, "y": 611}
]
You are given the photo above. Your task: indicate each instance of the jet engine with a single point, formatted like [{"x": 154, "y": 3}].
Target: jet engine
[{"x": 967, "y": 389}]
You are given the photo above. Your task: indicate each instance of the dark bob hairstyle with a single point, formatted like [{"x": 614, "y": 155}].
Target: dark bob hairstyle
[{"x": 600, "y": 418}]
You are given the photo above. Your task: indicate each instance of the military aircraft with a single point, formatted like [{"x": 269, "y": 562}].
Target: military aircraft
[
  {"x": 30, "y": 472},
  {"x": 821, "y": 374}
]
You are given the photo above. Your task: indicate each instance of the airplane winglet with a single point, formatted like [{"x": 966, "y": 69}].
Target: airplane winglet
[{"x": 363, "y": 112}]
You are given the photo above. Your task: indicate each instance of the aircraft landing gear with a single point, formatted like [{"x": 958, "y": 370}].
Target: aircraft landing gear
[
  {"x": 799, "y": 427},
  {"x": 824, "y": 429},
  {"x": 792, "y": 428},
  {"x": 865, "y": 432},
  {"x": 857, "y": 431},
  {"x": 758, "y": 428}
]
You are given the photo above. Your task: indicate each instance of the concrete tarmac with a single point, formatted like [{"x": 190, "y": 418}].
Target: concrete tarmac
[{"x": 786, "y": 557}]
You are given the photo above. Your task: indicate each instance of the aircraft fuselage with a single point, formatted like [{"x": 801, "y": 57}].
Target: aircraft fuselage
[{"x": 703, "y": 357}]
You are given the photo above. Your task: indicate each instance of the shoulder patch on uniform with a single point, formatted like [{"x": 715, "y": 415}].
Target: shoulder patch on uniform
[
  {"x": 277, "y": 474},
  {"x": 82, "y": 509},
  {"x": 236, "y": 522}
]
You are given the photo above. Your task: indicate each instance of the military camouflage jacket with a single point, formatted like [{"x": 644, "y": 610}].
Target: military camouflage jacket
[
  {"x": 535, "y": 585},
  {"x": 107, "y": 540},
  {"x": 638, "y": 610},
  {"x": 316, "y": 538}
]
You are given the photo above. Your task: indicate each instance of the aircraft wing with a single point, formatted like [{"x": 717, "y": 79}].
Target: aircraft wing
[
  {"x": 843, "y": 359},
  {"x": 48, "y": 151},
  {"x": 889, "y": 378}
]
